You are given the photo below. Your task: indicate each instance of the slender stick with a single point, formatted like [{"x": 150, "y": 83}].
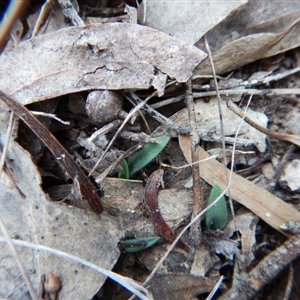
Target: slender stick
[
  {"x": 295, "y": 139},
  {"x": 198, "y": 202}
]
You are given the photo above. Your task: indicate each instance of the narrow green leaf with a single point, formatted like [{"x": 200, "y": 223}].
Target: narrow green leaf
[
  {"x": 125, "y": 171},
  {"x": 216, "y": 216},
  {"x": 147, "y": 154},
  {"x": 135, "y": 245}
]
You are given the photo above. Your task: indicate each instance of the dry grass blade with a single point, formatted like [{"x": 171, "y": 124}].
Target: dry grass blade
[
  {"x": 128, "y": 283},
  {"x": 268, "y": 207}
]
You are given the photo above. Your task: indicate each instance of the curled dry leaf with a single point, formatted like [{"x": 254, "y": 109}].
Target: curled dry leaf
[
  {"x": 240, "y": 45},
  {"x": 96, "y": 56},
  {"x": 40, "y": 221}
]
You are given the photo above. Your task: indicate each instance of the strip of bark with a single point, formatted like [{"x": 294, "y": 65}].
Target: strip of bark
[
  {"x": 151, "y": 204},
  {"x": 62, "y": 156}
]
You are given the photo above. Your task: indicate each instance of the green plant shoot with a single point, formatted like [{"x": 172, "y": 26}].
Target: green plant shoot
[
  {"x": 144, "y": 156},
  {"x": 135, "y": 245},
  {"x": 216, "y": 216},
  {"x": 125, "y": 171}
]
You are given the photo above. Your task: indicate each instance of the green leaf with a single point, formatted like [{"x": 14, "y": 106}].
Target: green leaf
[
  {"x": 125, "y": 171},
  {"x": 135, "y": 245},
  {"x": 147, "y": 154},
  {"x": 216, "y": 216}
]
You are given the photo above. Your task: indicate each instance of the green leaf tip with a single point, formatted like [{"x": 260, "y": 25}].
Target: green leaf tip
[
  {"x": 144, "y": 156},
  {"x": 216, "y": 216},
  {"x": 125, "y": 171},
  {"x": 135, "y": 245}
]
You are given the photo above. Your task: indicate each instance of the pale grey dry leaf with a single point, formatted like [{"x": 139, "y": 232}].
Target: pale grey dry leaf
[
  {"x": 207, "y": 117},
  {"x": 187, "y": 20},
  {"x": 38, "y": 220},
  {"x": 98, "y": 56},
  {"x": 204, "y": 260},
  {"x": 245, "y": 223},
  {"x": 124, "y": 196},
  {"x": 258, "y": 29}
]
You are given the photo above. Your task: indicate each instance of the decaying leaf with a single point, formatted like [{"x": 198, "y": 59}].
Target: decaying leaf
[
  {"x": 265, "y": 205},
  {"x": 96, "y": 56},
  {"x": 245, "y": 224},
  {"x": 186, "y": 20},
  {"x": 38, "y": 220},
  {"x": 204, "y": 260},
  {"x": 175, "y": 286}
]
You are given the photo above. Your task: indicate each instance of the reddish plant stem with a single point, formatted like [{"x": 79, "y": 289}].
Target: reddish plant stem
[{"x": 151, "y": 204}]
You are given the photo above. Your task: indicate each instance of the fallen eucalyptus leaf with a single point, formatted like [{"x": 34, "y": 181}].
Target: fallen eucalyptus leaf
[
  {"x": 96, "y": 56},
  {"x": 268, "y": 207},
  {"x": 187, "y": 20},
  {"x": 235, "y": 44},
  {"x": 40, "y": 221}
]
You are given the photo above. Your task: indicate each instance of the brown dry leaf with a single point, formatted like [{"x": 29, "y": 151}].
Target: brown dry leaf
[
  {"x": 38, "y": 220},
  {"x": 268, "y": 207},
  {"x": 187, "y": 20},
  {"x": 258, "y": 29},
  {"x": 96, "y": 56},
  {"x": 184, "y": 287},
  {"x": 244, "y": 50}
]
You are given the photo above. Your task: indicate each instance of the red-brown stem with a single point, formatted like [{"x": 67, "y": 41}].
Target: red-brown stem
[{"x": 151, "y": 204}]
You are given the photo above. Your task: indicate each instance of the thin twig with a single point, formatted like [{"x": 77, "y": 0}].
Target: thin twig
[
  {"x": 221, "y": 121},
  {"x": 129, "y": 152},
  {"x": 126, "y": 282},
  {"x": 130, "y": 114},
  {"x": 195, "y": 232},
  {"x": 6, "y": 142},
  {"x": 216, "y": 287},
  {"x": 159, "y": 117},
  {"x": 2, "y": 225},
  {"x": 247, "y": 287},
  {"x": 53, "y": 116},
  {"x": 295, "y": 139},
  {"x": 13, "y": 11},
  {"x": 239, "y": 91},
  {"x": 188, "y": 165},
  {"x": 18, "y": 260}
]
